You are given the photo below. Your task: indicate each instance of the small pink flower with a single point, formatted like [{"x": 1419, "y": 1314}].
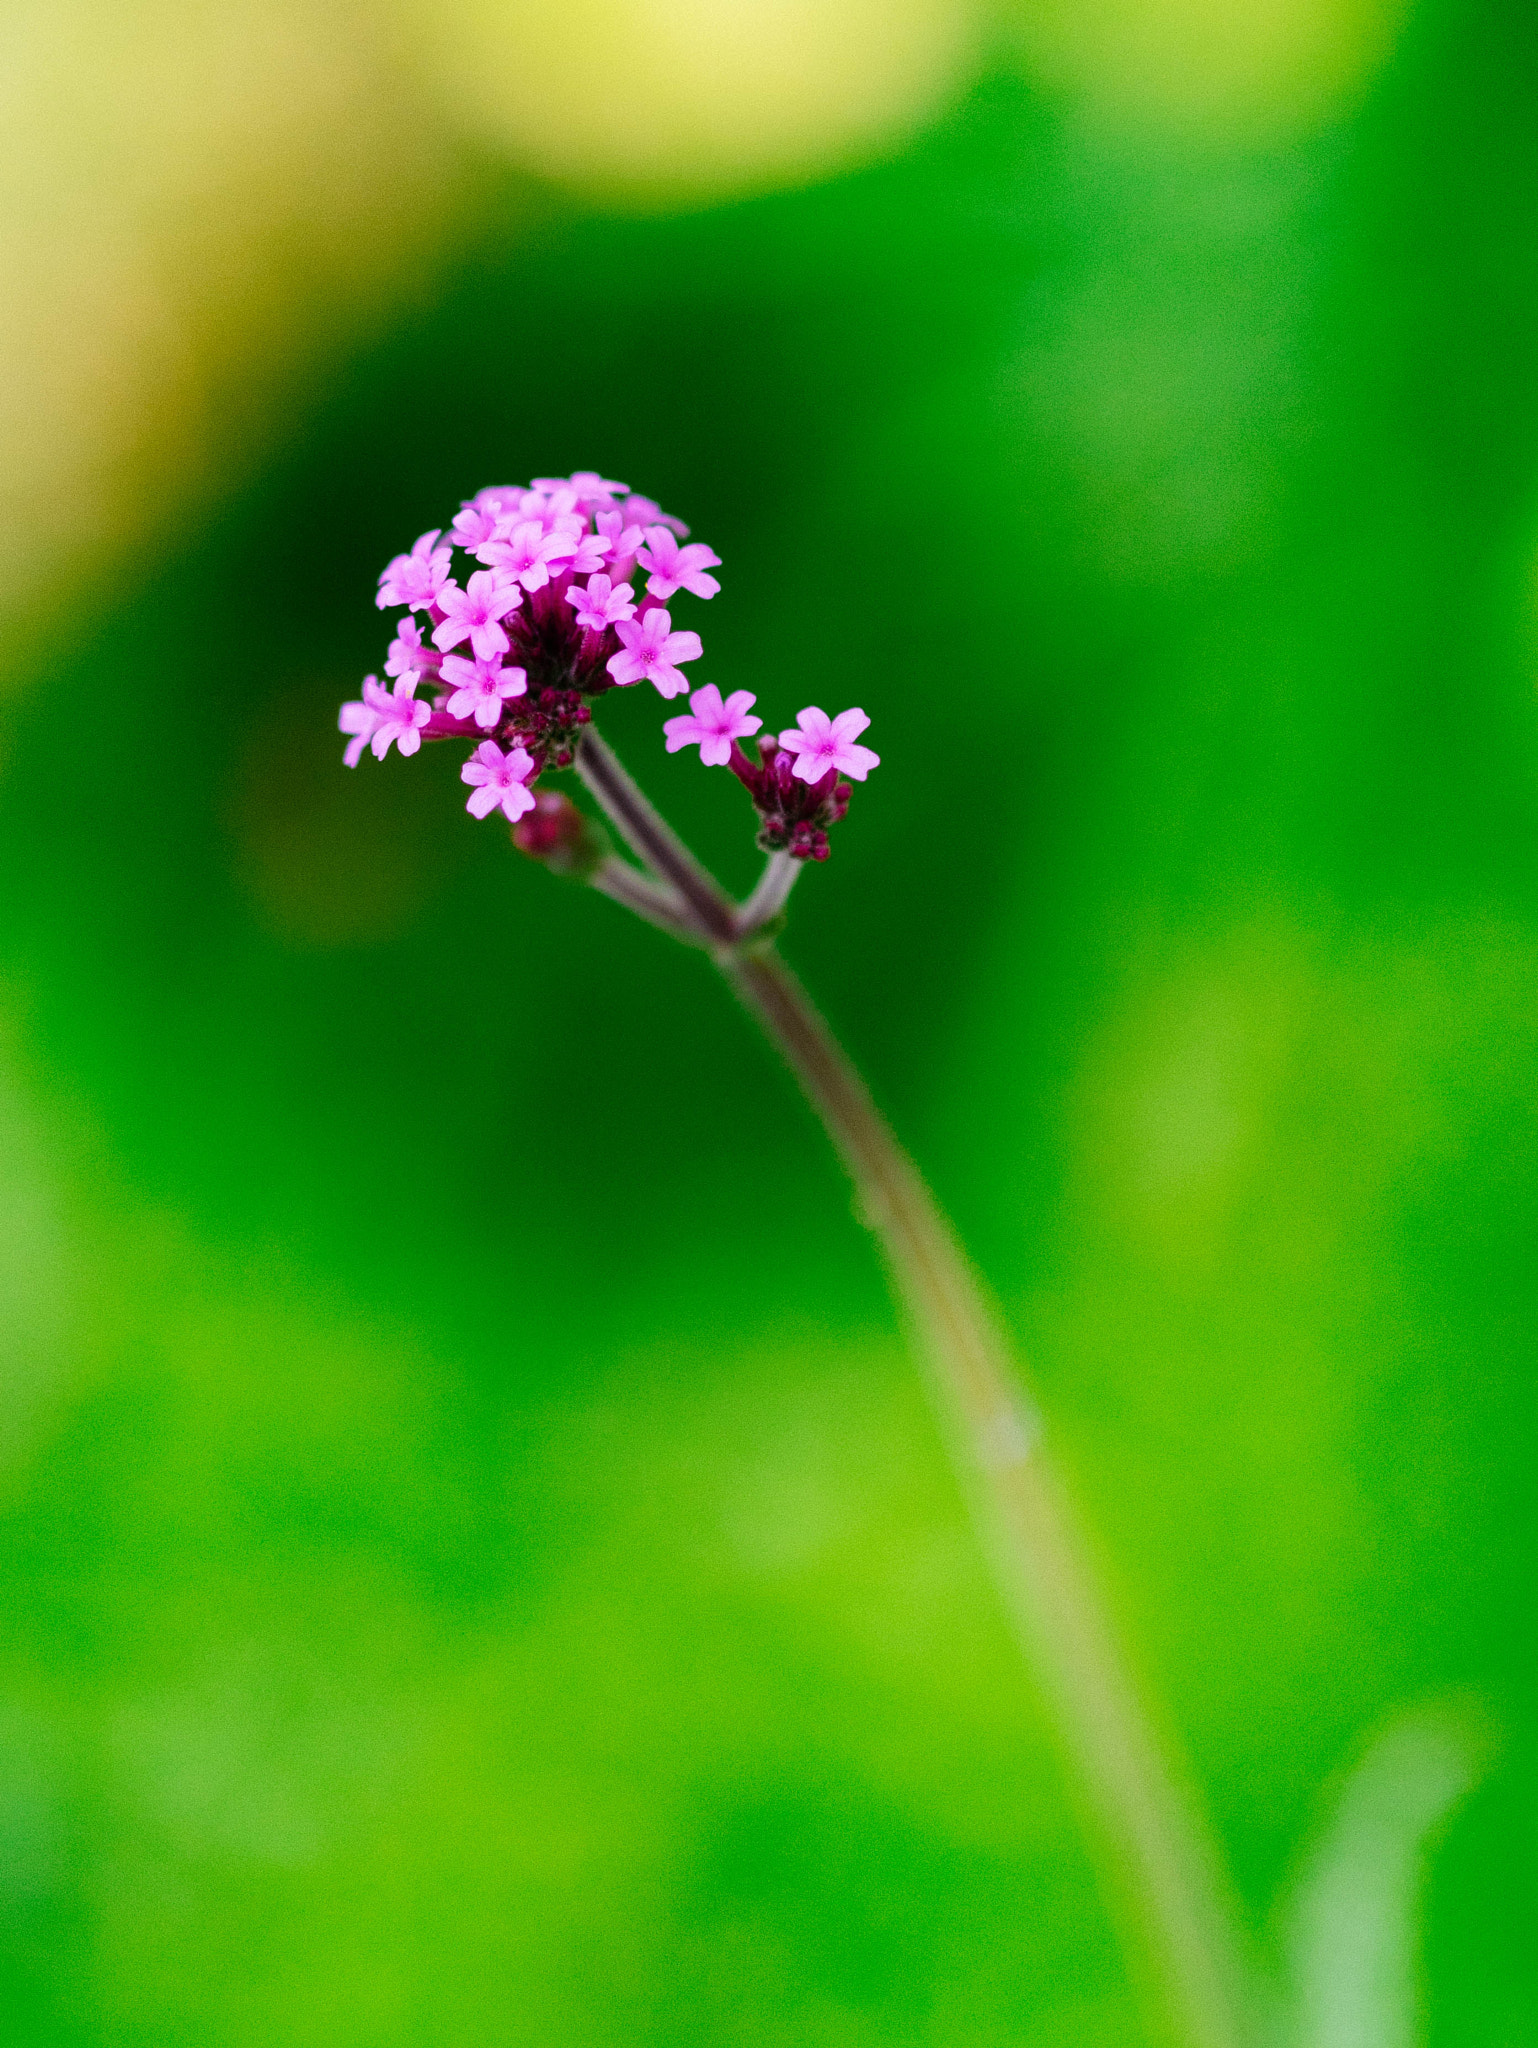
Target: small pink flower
[
  {"x": 623, "y": 535},
  {"x": 498, "y": 499},
  {"x": 675, "y": 568},
  {"x": 601, "y": 604},
  {"x": 588, "y": 485},
  {"x": 407, "y": 655},
  {"x": 555, "y": 511},
  {"x": 651, "y": 651},
  {"x": 476, "y": 614},
  {"x": 624, "y": 539},
  {"x": 712, "y": 725},
  {"x": 499, "y": 781},
  {"x": 397, "y": 715},
  {"x": 480, "y": 688},
  {"x": 647, "y": 512},
  {"x": 475, "y": 524},
  {"x": 822, "y": 743},
  {"x": 414, "y": 580},
  {"x": 525, "y": 551}
]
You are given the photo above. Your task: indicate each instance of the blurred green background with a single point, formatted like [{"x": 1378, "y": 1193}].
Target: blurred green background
[{"x": 477, "y": 1566}]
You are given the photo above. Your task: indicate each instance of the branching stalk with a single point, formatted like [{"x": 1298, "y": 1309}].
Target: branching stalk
[
  {"x": 653, "y": 840},
  {"x": 994, "y": 1434},
  {"x": 648, "y": 898}
]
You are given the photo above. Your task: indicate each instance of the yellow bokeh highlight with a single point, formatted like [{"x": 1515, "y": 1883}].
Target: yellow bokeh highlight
[
  {"x": 197, "y": 204},
  {"x": 654, "y": 100},
  {"x": 1263, "y": 68},
  {"x": 204, "y": 205}
]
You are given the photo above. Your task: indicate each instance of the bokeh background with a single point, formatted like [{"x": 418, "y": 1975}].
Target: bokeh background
[{"x": 476, "y": 1563}]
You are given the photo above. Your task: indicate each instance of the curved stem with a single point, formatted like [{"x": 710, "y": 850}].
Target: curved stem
[
  {"x": 653, "y": 900},
  {"x": 1022, "y": 1517},
  {"x": 1173, "y": 1876},
  {"x": 770, "y": 894}
]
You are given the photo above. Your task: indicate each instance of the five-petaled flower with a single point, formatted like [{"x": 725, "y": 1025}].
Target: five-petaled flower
[
  {"x": 526, "y": 552},
  {"x": 821, "y": 743},
  {"x": 600, "y": 604},
  {"x": 623, "y": 535},
  {"x": 675, "y": 568},
  {"x": 481, "y": 688},
  {"x": 382, "y": 717},
  {"x": 652, "y": 651},
  {"x": 499, "y": 781},
  {"x": 476, "y": 523},
  {"x": 712, "y": 726},
  {"x": 476, "y": 613},
  {"x": 415, "y": 580}
]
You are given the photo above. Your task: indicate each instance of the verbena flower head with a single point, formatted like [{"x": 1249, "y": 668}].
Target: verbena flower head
[{"x": 517, "y": 644}]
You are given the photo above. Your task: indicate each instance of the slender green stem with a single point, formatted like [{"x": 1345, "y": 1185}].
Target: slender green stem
[
  {"x": 1177, "y": 1885},
  {"x": 1173, "y": 1878}
]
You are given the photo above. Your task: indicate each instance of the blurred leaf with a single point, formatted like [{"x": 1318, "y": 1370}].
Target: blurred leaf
[{"x": 1353, "y": 1942}]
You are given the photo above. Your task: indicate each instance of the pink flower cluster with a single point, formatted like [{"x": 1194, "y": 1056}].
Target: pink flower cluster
[
  {"x": 795, "y": 782},
  {"x": 508, "y": 653},
  {"x": 511, "y": 654}
]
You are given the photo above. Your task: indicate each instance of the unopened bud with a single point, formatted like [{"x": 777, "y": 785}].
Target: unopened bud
[{"x": 561, "y": 837}]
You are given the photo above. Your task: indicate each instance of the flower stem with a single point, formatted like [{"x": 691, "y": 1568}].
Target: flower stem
[
  {"x": 1172, "y": 1876},
  {"x": 770, "y": 894},
  {"x": 1176, "y": 1881},
  {"x": 652, "y": 839},
  {"x": 653, "y": 900}
]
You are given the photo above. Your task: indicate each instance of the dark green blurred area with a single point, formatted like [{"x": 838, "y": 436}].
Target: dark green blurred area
[{"x": 478, "y": 1566}]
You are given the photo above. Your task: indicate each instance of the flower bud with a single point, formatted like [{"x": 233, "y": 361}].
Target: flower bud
[{"x": 561, "y": 837}]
